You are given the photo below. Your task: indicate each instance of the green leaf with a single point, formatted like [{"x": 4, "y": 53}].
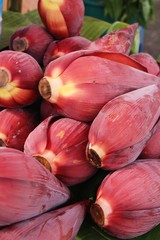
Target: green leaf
[
  {"x": 94, "y": 28},
  {"x": 158, "y": 59},
  {"x": 145, "y": 9},
  {"x": 11, "y": 21},
  {"x": 113, "y": 8},
  {"x": 33, "y": 17}
]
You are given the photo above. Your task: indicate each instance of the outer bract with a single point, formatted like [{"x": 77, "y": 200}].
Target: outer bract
[
  {"x": 127, "y": 203},
  {"x": 122, "y": 157},
  {"x": 60, "y": 145},
  {"x": 120, "y": 40},
  {"x": 123, "y": 122},
  {"x": 19, "y": 77},
  {"x": 63, "y": 18},
  {"x": 15, "y": 125},
  {"x": 152, "y": 147},
  {"x": 59, "y": 48},
  {"x": 27, "y": 188},
  {"x": 148, "y": 61},
  {"x": 61, "y": 224},
  {"x": 81, "y": 82},
  {"x": 32, "y": 39}
]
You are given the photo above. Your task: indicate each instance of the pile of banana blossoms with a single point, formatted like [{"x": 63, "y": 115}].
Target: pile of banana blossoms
[{"x": 94, "y": 107}]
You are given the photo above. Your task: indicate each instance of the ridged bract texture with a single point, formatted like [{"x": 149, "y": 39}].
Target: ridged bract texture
[
  {"x": 81, "y": 82},
  {"x": 127, "y": 203},
  {"x": 32, "y": 39},
  {"x": 124, "y": 122},
  {"x": 61, "y": 224},
  {"x": 61, "y": 144},
  {"x": 15, "y": 127},
  {"x": 27, "y": 188}
]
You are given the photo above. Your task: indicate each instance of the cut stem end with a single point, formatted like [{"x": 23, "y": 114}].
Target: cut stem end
[
  {"x": 44, "y": 162},
  {"x": 97, "y": 214},
  {"x": 20, "y": 44},
  {"x": 4, "y": 77},
  {"x": 94, "y": 158},
  {"x": 44, "y": 88}
]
